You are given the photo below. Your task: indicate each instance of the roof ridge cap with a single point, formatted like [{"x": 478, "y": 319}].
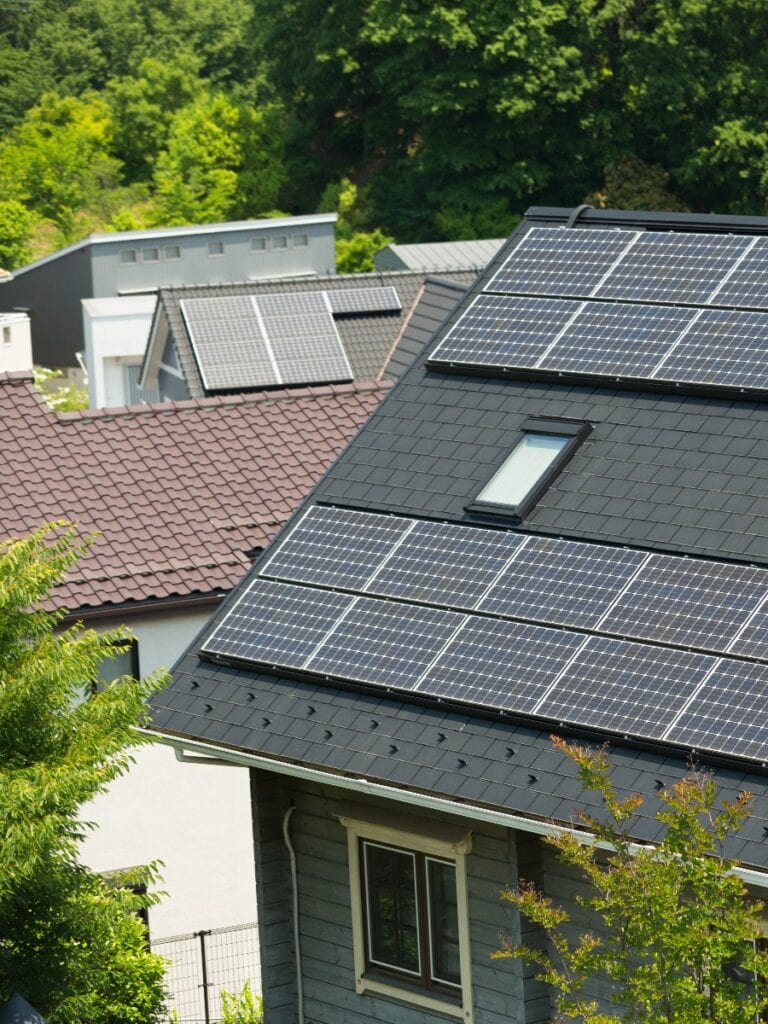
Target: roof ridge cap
[{"x": 216, "y": 401}]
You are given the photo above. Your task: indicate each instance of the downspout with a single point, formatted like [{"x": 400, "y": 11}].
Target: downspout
[{"x": 295, "y": 896}]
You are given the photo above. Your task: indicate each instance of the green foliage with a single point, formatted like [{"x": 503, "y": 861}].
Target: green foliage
[
  {"x": 675, "y": 923},
  {"x": 355, "y": 246},
  {"x": 66, "y": 398},
  {"x": 242, "y": 1008},
  {"x": 222, "y": 160},
  {"x": 58, "y": 161},
  {"x": 68, "y": 940},
  {"x": 16, "y": 223}
]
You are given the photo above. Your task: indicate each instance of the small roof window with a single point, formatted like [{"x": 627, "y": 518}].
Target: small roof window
[{"x": 540, "y": 454}]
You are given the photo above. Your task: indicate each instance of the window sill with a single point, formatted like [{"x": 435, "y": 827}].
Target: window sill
[{"x": 405, "y": 993}]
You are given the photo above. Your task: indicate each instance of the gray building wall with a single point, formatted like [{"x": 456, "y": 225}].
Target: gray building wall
[
  {"x": 52, "y": 292},
  {"x": 325, "y": 918}
]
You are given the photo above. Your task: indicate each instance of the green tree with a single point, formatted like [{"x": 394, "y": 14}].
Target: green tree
[
  {"x": 677, "y": 930},
  {"x": 222, "y": 160},
  {"x": 58, "y": 161},
  {"x": 69, "y": 942},
  {"x": 16, "y": 224}
]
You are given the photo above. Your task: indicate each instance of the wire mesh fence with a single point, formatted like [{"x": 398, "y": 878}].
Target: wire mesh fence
[{"x": 203, "y": 964}]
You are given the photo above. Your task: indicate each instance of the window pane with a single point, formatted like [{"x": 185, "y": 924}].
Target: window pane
[
  {"x": 279, "y": 242},
  {"x": 172, "y": 252},
  {"x": 393, "y": 936},
  {"x": 258, "y": 244},
  {"x": 128, "y": 256},
  {"x": 527, "y": 463},
  {"x": 443, "y": 922},
  {"x": 150, "y": 255},
  {"x": 215, "y": 248}
]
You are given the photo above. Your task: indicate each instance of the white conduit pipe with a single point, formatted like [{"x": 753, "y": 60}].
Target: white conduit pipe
[{"x": 295, "y": 895}]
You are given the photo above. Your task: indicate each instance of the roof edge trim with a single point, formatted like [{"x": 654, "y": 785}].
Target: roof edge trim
[
  {"x": 424, "y": 801},
  {"x": 646, "y": 220}
]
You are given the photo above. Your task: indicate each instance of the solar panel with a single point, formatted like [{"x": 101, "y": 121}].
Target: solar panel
[
  {"x": 501, "y": 665},
  {"x": 363, "y": 300},
  {"x": 728, "y": 713},
  {"x": 303, "y": 337},
  {"x": 560, "y": 261},
  {"x": 752, "y": 641},
  {"x": 336, "y": 547},
  {"x": 442, "y": 564},
  {"x": 617, "y": 339},
  {"x": 228, "y": 343},
  {"x": 725, "y": 347},
  {"x": 499, "y": 330},
  {"x": 562, "y": 582},
  {"x": 276, "y": 623},
  {"x": 385, "y": 643},
  {"x": 672, "y": 266},
  {"x": 691, "y": 603},
  {"x": 746, "y": 284},
  {"x": 625, "y": 687}
]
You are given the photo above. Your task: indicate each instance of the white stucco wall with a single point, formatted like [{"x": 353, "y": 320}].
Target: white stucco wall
[
  {"x": 15, "y": 342},
  {"x": 115, "y": 332},
  {"x": 194, "y": 818}
]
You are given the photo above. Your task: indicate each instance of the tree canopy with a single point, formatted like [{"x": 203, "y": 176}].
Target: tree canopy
[
  {"x": 450, "y": 119},
  {"x": 673, "y": 931},
  {"x": 70, "y": 940}
]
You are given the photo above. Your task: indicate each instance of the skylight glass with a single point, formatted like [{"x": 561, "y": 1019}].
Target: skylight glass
[{"x": 528, "y": 462}]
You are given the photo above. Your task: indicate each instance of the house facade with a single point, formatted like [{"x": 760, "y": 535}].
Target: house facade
[{"x": 555, "y": 523}]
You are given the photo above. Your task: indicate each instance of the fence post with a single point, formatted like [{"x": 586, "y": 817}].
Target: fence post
[{"x": 204, "y": 986}]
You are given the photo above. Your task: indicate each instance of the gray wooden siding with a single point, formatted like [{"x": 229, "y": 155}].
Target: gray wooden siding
[{"x": 326, "y": 921}]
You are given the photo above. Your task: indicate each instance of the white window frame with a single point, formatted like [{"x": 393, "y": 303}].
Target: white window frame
[{"x": 436, "y": 840}]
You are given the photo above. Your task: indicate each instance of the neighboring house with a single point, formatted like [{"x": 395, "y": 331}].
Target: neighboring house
[
  {"x": 135, "y": 262},
  {"x": 178, "y": 498},
  {"x": 235, "y": 338},
  {"x": 15, "y": 342},
  {"x": 115, "y": 331},
  {"x": 555, "y": 522},
  {"x": 436, "y": 257}
]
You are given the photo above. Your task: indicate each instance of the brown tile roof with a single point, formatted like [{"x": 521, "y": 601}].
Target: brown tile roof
[{"x": 178, "y": 491}]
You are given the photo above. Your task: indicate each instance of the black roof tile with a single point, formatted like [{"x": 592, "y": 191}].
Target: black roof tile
[{"x": 685, "y": 474}]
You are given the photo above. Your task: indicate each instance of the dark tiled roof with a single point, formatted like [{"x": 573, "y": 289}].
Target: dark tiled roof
[
  {"x": 370, "y": 341},
  {"x": 427, "y": 749},
  {"x": 178, "y": 492},
  {"x": 659, "y": 471}
]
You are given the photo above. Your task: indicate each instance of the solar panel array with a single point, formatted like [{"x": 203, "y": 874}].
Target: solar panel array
[
  {"x": 285, "y": 338},
  {"x": 599, "y": 339},
  {"x": 599, "y": 303},
  {"x": 652, "y": 646}
]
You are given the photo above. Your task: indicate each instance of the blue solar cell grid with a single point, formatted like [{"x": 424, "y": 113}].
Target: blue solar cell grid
[
  {"x": 617, "y": 339},
  {"x": 687, "y": 602},
  {"x": 625, "y": 687},
  {"x": 500, "y": 664},
  {"x": 385, "y": 643},
  {"x": 499, "y": 330},
  {"x": 672, "y": 266},
  {"x": 747, "y": 284},
  {"x": 562, "y": 582},
  {"x": 560, "y": 261},
  {"x": 724, "y": 347},
  {"x": 728, "y": 713},
  {"x": 336, "y": 547},
  {"x": 276, "y": 623},
  {"x": 442, "y": 564}
]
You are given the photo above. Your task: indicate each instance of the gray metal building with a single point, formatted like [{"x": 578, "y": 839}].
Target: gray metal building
[{"x": 132, "y": 262}]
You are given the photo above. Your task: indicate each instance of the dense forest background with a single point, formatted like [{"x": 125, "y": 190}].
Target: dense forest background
[{"x": 416, "y": 119}]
